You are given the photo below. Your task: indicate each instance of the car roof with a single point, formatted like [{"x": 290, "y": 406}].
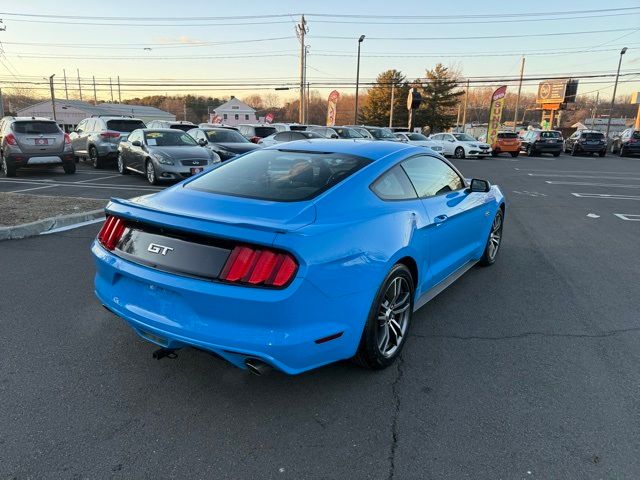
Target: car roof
[
  {"x": 161, "y": 130},
  {"x": 26, "y": 119},
  {"x": 361, "y": 148}
]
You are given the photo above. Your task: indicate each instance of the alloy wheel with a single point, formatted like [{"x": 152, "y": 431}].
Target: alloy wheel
[
  {"x": 393, "y": 316},
  {"x": 3, "y": 166},
  {"x": 495, "y": 236},
  {"x": 151, "y": 173},
  {"x": 120, "y": 164}
]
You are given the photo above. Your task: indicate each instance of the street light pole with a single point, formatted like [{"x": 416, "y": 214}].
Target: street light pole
[
  {"x": 613, "y": 98},
  {"x": 53, "y": 96},
  {"x": 355, "y": 119}
]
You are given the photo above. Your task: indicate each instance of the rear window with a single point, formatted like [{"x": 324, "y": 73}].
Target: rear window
[
  {"x": 507, "y": 135},
  {"x": 263, "y": 132},
  {"x": 124, "y": 125},
  {"x": 184, "y": 128},
  {"x": 279, "y": 175},
  {"x": 225, "y": 136},
  {"x": 297, "y": 128},
  {"x": 547, "y": 134},
  {"x": 593, "y": 136},
  {"x": 35, "y": 127},
  {"x": 348, "y": 133},
  {"x": 381, "y": 133}
]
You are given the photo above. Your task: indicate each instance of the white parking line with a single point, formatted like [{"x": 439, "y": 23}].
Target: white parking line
[
  {"x": 606, "y": 196},
  {"x": 628, "y": 216},
  {"x": 71, "y": 227},
  {"x": 586, "y": 184},
  {"x": 580, "y": 176},
  {"x": 98, "y": 179},
  {"x": 29, "y": 189},
  {"x": 82, "y": 185},
  {"x": 571, "y": 171}
]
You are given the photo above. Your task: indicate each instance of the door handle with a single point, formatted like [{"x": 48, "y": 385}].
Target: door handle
[{"x": 440, "y": 219}]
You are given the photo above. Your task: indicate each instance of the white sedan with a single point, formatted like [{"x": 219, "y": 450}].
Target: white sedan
[
  {"x": 418, "y": 139},
  {"x": 461, "y": 145},
  {"x": 287, "y": 136}
]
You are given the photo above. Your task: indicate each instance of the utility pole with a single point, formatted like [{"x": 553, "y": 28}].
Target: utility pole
[
  {"x": 515, "y": 114},
  {"x": 306, "y": 110},
  {"x": 1, "y": 104},
  {"x": 301, "y": 31},
  {"x": 119, "y": 96},
  {"x": 458, "y": 119},
  {"x": 79, "y": 86},
  {"x": 53, "y": 96},
  {"x": 464, "y": 112},
  {"x": 613, "y": 97},
  {"x": 595, "y": 110},
  {"x": 393, "y": 99},
  {"x": 111, "y": 88},
  {"x": 184, "y": 106},
  {"x": 95, "y": 96},
  {"x": 66, "y": 92},
  {"x": 355, "y": 115}
]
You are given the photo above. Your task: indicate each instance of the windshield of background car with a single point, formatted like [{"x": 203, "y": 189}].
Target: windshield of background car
[
  {"x": 35, "y": 127},
  {"x": 124, "y": 125},
  {"x": 225, "y": 136},
  {"x": 593, "y": 136},
  {"x": 507, "y": 135},
  {"x": 463, "y": 137},
  {"x": 279, "y": 175},
  {"x": 549, "y": 134},
  {"x": 347, "y": 133},
  {"x": 382, "y": 133},
  {"x": 168, "y": 139},
  {"x": 416, "y": 137},
  {"x": 263, "y": 132}
]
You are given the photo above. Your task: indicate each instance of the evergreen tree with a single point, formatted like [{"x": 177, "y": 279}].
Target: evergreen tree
[
  {"x": 376, "y": 109},
  {"x": 440, "y": 95}
]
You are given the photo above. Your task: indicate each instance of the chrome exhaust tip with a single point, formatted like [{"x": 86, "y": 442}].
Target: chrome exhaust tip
[{"x": 257, "y": 367}]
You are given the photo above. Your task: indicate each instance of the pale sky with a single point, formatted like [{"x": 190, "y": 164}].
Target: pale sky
[{"x": 154, "y": 43}]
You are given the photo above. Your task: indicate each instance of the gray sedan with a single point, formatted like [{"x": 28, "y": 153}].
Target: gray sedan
[{"x": 163, "y": 154}]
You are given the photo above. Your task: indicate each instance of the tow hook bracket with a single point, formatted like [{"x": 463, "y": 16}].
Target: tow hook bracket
[{"x": 164, "y": 352}]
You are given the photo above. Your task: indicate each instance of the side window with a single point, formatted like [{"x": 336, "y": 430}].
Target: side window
[
  {"x": 450, "y": 138},
  {"x": 431, "y": 176},
  {"x": 237, "y": 117},
  {"x": 282, "y": 137},
  {"x": 224, "y": 115},
  {"x": 246, "y": 117},
  {"x": 394, "y": 185},
  {"x": 81, "y": 126},
  {"x": 134, "y": 136}
]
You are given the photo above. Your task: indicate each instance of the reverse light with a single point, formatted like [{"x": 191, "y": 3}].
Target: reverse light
[
  {"x": 11, "y": 139},
  {"x": 253, "y": 266},
  {"x": 111, "y": 232}
]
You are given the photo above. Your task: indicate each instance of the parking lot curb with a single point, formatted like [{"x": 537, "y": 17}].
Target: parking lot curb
[{"x": 42, "y": 226}]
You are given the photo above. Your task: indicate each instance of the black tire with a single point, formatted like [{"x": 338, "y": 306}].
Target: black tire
[
  {"x": 614, "y": 150},
  {"x": 494, "y": 153},
  {"x": 459, "y": 153},
  {"x": 621, "y": 151},
  {"x": 69, "y": 167},
  {"x": 374, "y": 352},
  {"x": 602, "y": 153},
  {"x": 515, "y": 154},
  {"x": 556, "y": 154},
  {"x": 150, "y": 170},
  {"x": 531, "y": 151},
  {"x": 96, "y": 161},
  {"x": 492, "y": 248},
  {"x": 122, "y": 166},
  {"x": 7, "y": 168}
]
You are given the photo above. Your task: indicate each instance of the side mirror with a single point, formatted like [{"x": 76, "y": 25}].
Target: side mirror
[
  {"x": 478, "y": 185},
  {"x": 333, "y": 135},
  {"x": 202, "y": 142},
  {"x": 451, "y": 140},
  {"x": 136, "y": 143}
]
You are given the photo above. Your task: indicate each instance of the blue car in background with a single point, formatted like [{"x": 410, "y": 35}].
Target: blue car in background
[{"x": 296, "y": 255}]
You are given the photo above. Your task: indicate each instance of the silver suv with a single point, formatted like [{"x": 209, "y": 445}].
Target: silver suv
[
  {"x": 97, "y": 138},
  {"x": 33, "y": 141}
]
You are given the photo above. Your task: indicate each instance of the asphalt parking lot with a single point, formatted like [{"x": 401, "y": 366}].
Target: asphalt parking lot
[{"x": 527, "y": 369}]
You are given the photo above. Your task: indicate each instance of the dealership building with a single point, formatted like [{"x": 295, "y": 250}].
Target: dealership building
[{"x": 70, "y": 112}]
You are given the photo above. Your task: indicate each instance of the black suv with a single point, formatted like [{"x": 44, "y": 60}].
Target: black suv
[
  {"x": 627, "y": 143},
  {"x": 535, "y": 142},
  {"x": 586, "y": 141}
]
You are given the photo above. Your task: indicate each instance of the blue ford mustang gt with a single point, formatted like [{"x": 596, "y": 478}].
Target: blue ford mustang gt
[{"x": 296, "y": 255}]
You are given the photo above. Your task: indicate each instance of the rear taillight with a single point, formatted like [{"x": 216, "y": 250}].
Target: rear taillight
[
  {"x": 109, "y": 134},
  {"x": 111, "y": 232},
  {"x": 67, "y": 139},
  {"x": 255, "y": 139},
  {"x": 11, "y": 139},
  {"x": 255, "y": 266}
]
